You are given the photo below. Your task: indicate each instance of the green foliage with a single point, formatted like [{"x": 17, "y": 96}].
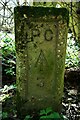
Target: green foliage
[
  {"x": 4, "y": 115},
  {"x": 28, "y": 117},
  {"x": 45, "y": 112},
  {"x": 8, "y": 54},
  {"x": 72, "y": 58},
  {"x": 5, "y": 92},
  {"x": 48, "y": 114},
  {"x": 8, "y": 100}
]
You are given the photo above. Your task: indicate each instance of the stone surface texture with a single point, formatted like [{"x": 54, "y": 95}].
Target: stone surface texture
[{"x": 40, "y": 39}]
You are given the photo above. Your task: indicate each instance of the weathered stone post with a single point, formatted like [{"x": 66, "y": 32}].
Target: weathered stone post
[{"x": 40, "y": 39}]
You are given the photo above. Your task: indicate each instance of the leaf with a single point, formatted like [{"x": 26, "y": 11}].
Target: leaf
[
  {"x": 48, "y": 110},
  {"x": 56, "y": 115},
  {"x": 27, "y": 117},
  {"x": 42, "y": 112},
  {"x": 3, "y": 97},
  {"x": 51, "y": 116},
  {"x": 65, "y": 118},
  {"x": 45, "y": 118},
  {"x": 4, "y": 115}
]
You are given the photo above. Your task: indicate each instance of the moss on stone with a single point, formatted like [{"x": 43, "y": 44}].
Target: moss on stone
[
  {"x": 40, "y": 37},
  {"x": 35, "y": 12}
]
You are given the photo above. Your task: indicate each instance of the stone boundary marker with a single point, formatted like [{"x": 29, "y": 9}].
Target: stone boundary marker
[{"x": 40, "y": 39}]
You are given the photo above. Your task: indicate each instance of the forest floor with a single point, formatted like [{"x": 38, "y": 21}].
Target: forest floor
[{"x": 70, "y": 102}]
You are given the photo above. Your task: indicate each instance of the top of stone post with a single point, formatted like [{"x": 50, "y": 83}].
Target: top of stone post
[{"x": 40, "y": 11}]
